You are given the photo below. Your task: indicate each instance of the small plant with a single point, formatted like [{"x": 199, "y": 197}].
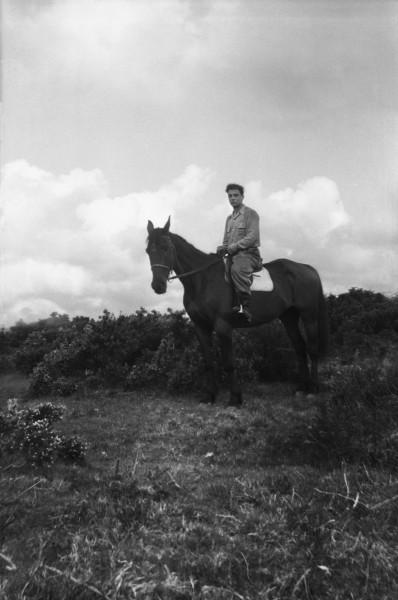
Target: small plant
[
  {"x": 29, "y": 431},
  {"x": 72, "y": 449},
  {"x": 37, "y": 441}
]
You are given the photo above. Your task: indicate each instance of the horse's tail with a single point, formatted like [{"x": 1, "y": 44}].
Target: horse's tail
[{"x": 323, "y": 324}]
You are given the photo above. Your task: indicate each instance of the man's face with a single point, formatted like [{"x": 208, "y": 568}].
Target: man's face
[{"x": 235, "y": 198}]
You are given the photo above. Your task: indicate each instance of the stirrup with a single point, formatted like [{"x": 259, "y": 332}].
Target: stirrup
[{"x": 247, "y": 314}]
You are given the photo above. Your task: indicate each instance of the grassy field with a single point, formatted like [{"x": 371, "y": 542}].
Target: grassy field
[{"x": 179, "y": 500}]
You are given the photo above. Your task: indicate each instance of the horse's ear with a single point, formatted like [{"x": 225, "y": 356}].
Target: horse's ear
[
  {"x": 167, "y": 226},
  {"x": 150, "y": 227}
]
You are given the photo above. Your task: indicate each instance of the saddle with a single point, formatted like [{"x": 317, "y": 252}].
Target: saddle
[{"x": 260, "y": 279}]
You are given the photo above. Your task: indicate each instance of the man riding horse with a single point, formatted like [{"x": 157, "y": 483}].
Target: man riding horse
[{"x": 241, "y": 245}]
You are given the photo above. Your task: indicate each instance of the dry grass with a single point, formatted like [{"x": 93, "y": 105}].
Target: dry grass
[{"x": 181, "y": 501}]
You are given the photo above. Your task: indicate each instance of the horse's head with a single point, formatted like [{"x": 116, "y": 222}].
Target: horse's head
[{"x": 161, "y": 254}]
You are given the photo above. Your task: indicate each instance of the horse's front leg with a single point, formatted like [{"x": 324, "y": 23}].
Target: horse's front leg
[
  {"x": 204, "y": 336},
  {"x": 225, "y": 341}
]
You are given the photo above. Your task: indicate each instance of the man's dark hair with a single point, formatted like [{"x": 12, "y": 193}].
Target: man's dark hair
[{"x": 235, "y": 186}]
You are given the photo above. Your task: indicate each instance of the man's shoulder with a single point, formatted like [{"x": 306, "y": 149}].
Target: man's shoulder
[{"x": 249, "y": 211}]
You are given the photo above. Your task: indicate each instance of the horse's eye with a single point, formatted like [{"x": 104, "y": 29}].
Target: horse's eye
[{"x": 163, "y": 245}]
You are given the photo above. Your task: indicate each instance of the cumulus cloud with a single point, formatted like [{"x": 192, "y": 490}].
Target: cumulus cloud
[
  {"x": 310, "y": 223},
  {"x": 311, "y": 212},
  {"x": 68, "y": 246}
]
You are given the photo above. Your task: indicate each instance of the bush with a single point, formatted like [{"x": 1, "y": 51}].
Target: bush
[
  {"x": 29, "y": 432},
  {"x": 32, "y": 351},
  {"x": 71, "y": 449},
  {"x": 105, "y": 349},
  {"x": 150, "y": 348},
  {"x": 143, "y": 349},
  {"x": 359, "y": 420},
  {"x": 171, "y": 367},
  {"x": 362, "y": 320},
  {"x": 264, "y": 353}
]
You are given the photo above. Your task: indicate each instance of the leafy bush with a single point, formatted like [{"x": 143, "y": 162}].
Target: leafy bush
[
  {"x": 103, "y": 351},
  {"x": 71, "y": 449},
  {"x": 177, "y": 363},
  {"x": 150, "y": 348},
  {"x": 29, "y": 432},
  {"x": 359, "y": 419},
  {"x": 32, "y": 351},
  {"x": 264, "y": 353},
  {"x": 171, "y": 367},
  {"x": 364, "y": 321}
]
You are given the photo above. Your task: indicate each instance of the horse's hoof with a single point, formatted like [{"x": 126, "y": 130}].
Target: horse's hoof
[
  {"x": 235, "y": 401},
  {"x": 210, "y": 399}
]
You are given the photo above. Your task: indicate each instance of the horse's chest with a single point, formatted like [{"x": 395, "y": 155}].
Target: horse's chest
[{"x": 197, "y": 312}]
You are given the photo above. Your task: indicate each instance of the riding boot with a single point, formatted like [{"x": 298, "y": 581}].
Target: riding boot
[
  {"x": 235, "y": 302},
  {"x": 245, "y": 301}
]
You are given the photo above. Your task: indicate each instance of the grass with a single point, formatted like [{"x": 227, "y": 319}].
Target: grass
[{"x": 179, "y": 500}]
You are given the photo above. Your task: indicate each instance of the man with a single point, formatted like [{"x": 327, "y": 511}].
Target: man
[{"x": 241, "y": 242}]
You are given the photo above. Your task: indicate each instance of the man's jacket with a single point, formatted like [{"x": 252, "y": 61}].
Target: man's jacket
[{"x": 242, "y": 229}]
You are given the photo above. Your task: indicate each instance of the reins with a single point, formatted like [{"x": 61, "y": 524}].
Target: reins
[{"x": 193, "y": 272}]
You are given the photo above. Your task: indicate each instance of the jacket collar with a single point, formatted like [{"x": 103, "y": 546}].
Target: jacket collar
[{"x": 239, "y": 212}]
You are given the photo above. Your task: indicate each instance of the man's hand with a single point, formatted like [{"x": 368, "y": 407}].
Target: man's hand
[
  {"x": 232, "y": 249},
  {"x": 221, "y": 250}
]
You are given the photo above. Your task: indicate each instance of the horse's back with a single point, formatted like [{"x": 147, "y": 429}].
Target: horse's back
[
  {"x": 284, "y": 268},
  {"x": 297, "y": 281}
]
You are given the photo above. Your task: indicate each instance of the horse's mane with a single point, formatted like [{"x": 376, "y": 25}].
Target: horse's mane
[{"x": 190, "y": 248}]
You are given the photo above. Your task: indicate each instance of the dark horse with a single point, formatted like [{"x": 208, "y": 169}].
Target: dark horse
[{"x": 297, "y": 295}]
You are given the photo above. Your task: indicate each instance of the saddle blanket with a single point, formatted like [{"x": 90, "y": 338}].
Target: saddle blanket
[{"x": 262, "y": 281}]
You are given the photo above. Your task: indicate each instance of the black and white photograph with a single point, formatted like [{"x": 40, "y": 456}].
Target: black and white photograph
[{"x": 199, "y": 300}]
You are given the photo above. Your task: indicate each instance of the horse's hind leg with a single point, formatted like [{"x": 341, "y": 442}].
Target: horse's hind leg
[
  {"x": 311, "y": 328},
  {"x": 290, "y": 320}
]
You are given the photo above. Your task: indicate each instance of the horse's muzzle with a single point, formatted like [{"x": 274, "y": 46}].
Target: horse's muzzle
[{"x": 159, "y": 287}]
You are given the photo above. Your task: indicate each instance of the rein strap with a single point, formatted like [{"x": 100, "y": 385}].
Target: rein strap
[{"x": 194, "y": 271}]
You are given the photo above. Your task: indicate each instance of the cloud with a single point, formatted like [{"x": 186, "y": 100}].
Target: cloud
[
  {"x": 311, "y": 224},
  {"x": 68, "y": 246},
  {"x": 96, "y": 44},
  {"x": 310, "y": 212},
  {"x": 28, "y": 277},
  {"x": 159, "y": 49},
  {"x": 108, "y": 217},
  {"x": 65, "y": 243}
]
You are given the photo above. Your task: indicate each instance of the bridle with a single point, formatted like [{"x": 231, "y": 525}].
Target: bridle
[
  {"x": 161, "y": 266},
  {"x": 170, "y": 268}
]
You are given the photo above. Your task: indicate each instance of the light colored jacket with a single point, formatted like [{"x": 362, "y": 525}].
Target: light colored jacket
[{"x": 242, "y": 229}]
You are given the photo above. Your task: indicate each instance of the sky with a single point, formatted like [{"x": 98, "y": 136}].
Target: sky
[{"x": 118, "y": 111}]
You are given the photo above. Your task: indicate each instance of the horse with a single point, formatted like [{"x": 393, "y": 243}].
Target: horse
[{"x": 297, "y": 296}]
